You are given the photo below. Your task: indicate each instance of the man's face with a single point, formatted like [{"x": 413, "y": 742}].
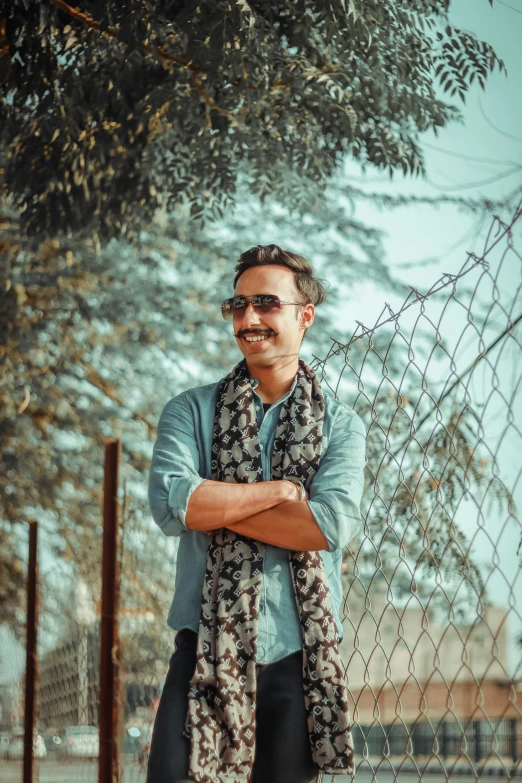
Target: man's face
[{"x": 281, "y": 330}]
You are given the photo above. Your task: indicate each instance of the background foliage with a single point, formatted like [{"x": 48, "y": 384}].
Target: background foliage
[{"x": 113, "y": 109}]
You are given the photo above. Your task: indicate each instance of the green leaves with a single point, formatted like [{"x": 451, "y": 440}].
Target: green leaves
[
  {"x": 121, "y": 108},
  {"x": 461, "y": 59}
]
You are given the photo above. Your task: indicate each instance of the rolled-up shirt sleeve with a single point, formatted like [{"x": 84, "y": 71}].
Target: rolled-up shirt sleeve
[
  {"x": 174, "y": 468},
  {"x": 337, "y": 487}
]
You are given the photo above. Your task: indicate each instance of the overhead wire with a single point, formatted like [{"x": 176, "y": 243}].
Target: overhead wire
[
  {"x": 473, "y": 158},
  {"x": 516, "y": 10},
  {"x": 495, "y": 127},
  {"x": 478, "y": 183}
]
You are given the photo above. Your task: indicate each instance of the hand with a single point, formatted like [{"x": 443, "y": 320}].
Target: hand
[{"x": 296, "y": 491}]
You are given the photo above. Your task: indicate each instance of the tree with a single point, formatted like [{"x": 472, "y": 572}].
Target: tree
[{"x": 112, "y": 110}]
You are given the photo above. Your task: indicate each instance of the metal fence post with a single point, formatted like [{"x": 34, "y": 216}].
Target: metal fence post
[
  {"x": 108, "y": 768},
  {"x": 31, "y": 659}
]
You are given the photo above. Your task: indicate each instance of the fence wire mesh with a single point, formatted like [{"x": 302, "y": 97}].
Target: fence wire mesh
[
  {"x": 432, "y": 612},
  {"x": 432, "y": 624}
]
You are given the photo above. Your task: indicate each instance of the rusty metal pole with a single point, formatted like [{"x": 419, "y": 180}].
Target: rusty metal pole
[
  {"x": 30, "y": 654},
  {"x": 108, "y": 766}
]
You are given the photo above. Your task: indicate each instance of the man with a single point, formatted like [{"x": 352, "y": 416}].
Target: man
[{"x": 261, "y": 476}]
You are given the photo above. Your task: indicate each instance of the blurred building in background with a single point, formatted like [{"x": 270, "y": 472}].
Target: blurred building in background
[
  {"x": 408, "y": 664},
  {"x": 69, "y": 682},
  {"x": 69, "y": 685},
  {"x": 426, "y": 689},
  {"x": 11, "y": 706}
]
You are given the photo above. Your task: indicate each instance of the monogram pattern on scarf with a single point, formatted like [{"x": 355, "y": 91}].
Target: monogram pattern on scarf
[{"x": 222, "y": 698}]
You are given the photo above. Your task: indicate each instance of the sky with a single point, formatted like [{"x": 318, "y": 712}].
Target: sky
[{"x": 452, "y": 160}]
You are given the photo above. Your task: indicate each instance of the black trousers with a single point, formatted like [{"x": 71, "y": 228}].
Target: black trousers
[{"x": 283, "y": 753}]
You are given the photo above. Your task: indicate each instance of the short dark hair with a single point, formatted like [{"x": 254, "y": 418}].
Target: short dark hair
[{"x": 312, "y": 289}]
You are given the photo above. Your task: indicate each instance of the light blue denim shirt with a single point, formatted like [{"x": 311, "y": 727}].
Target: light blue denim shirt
[{"x": 181, "y": 461}]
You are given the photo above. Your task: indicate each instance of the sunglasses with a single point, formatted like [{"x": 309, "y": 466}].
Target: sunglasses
[{"x": 262, "y": 303}]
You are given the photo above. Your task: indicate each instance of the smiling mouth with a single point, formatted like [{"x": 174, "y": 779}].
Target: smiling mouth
[{"x": 251, "y": 339}]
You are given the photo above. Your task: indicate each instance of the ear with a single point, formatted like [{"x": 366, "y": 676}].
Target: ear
[{"x": 307, "y": 316}]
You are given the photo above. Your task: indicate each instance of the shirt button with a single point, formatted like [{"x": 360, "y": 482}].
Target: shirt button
[{"x": 261, "y": 446}]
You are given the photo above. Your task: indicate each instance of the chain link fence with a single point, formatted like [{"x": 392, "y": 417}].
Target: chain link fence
[
  {"x": 432, "y": 612},
  {"x": 432, "y": 623}
]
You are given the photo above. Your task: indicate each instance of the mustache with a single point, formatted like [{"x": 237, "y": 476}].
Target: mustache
[{"x": 254, "y": 333}]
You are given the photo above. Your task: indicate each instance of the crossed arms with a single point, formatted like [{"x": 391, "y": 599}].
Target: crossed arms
[
  {"x": 181, "y": 499},
  {"x": 267, "y": 511}
]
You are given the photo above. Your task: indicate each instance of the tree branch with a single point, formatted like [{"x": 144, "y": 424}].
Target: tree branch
[{"x": 94, "y": 25}]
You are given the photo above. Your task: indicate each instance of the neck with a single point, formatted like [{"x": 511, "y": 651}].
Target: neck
[{"x": 275, "y": 381}]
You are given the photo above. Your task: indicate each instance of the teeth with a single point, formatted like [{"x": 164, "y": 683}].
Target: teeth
[{"x": 256, "y": 339}]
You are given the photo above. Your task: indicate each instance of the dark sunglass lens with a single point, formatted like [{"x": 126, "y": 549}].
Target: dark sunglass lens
[
  {"x": 226, "y": 309},
  {"x": 265, "y": 303},
  {"x": 235, "y": 307}
]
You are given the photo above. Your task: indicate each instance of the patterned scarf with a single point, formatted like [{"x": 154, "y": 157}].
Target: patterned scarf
[{"x": 222, "y": 697}]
